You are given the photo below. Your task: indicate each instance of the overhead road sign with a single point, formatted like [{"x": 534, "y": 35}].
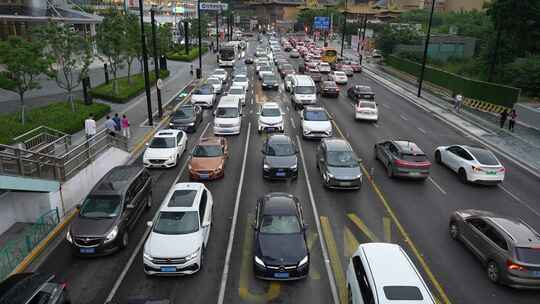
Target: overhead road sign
[
  {"x": 321, "y": 23},
  {"x": 207, "y": 6}
]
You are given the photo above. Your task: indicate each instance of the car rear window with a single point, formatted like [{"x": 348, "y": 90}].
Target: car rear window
[
  {"x": 370, "y": 105},
  {"x": 403, "y": 293},
  {"x": 414, "y": 158},
  {"x": 484, "y": 157},
  {"x": 528, "y": 255}
]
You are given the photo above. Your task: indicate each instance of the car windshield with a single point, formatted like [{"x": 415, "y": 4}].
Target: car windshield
[
  {"x": 220, "y": 72},
  {"x": 366, "y": 96},
  {"x": 177, "y": 222},
  {"x": 240, "y": 79},
  {"x": 204, "y": 90},
  {"x": 265, "y": 69},
  {"x": 329, "y": 84},
  {"x": 287, "y": 67},
  {"x": 269, "y": 77},
  {"x": 101, "y": 206},
  {"x": 315, "y": 116},
  {"x": 528, "y": 255},
  {"x": 271, "y": 112},
  {"x": 280, "y": 149},
  {"x": 484, "y": 157},
  {"x": 207, "y": 151},
  {"x": 227, "y": 112},
  {"x": 340, "y": 74},
  {"x": 341, "y": 159},
  {"x": 214, "y": 81},
  {"x": 183, "y": 113},
  {"x": 369, "y": 105},
  {"x": 162, "y": 142},
  {"x": 236, "y": 91},
  {"x": 280, "y": 224},
  {"x": 304, "y": 90}
]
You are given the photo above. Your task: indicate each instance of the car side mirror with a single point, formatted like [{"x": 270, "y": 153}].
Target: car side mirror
[
  {"x": 149, "y": 223},
  {"x": 130, "y": 206},
  {"x": 147, "y": 144},
  {"x": 78, "y": 206}
]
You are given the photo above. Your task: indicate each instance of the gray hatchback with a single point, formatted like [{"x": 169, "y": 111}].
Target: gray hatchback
[
  {"x": 338, "y": 164},
  {"x": 507, "y": 247}
]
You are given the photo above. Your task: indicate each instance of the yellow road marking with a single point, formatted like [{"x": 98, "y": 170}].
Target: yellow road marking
[
  {"x": 314, "y": 274},
  {"x": 363, "y": 227},
  {"x": 246, "y": 270},
  {"x": 387, "y": 227},
  {"x": 351, "y": 244},
  {"x": 335, "y": 260}
]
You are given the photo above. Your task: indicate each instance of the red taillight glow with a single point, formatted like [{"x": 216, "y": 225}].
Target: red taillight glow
[
  {"x": 477, "y": 169},
  {"x": 64, "y": 285},
  {"x": 513, "y": 266},
  {"x": 403, "y": 163},
  {"x": 501, "y": 170}
]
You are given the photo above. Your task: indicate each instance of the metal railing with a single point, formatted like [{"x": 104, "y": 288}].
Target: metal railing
[
  {"x": 23, "y": 162},
  {"x": 15, "y": 250},
  {"x": 44, "y": 140}
]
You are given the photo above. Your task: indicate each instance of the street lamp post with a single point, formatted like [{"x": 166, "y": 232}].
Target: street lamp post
[
  {"x": 343, "y": 30},
  {"x": 156, "y": 63},
  {"x": 145, "y": 66},
  {"x": 199, "y": 72},
  {"x": 363, "y": 37},
  {"x": 422, "y": 71}
]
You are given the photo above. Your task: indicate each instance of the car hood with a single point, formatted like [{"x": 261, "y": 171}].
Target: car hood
[
  {"x": 206, "y": 163},
  {"x": 281, "y": 161},
  {"x": 159, "y": 153},
  {"x": 270, "y": 120},
  {"x": 273, "y": 81},
  {"x": 344, "y": 173},
  {"x": 172, "y": 246},
  {"x": 281, "y": 249},
  {"x": 91, "y": 227},
  {"x": 182, "y": 120},
  {"x": 305, "y": 96},
  {"x": 202, "y": 97},
  {"x": 317, "y": 125},
  {"x": 221, "y": 120}
]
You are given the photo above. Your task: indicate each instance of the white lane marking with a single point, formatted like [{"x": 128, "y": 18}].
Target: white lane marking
[
  {"x": 233, "y": 226},
  {"x": 385, "y": 105},
  {"x": 376, "y": 125},
  {"x": 421, "y": 130},
  {"x": 403, "y": 117},
  {"x": 146, "y": 233},
  {"x": 519, "y": 200},
  {"x": 292, "y": 123},
  {"x": 331, "y": 278},
  {"x": 252, "y": 99},
  {"x": 436, "y": 185}
]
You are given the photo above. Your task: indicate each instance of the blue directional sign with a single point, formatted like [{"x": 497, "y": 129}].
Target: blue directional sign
[{"x": 322, "y": 23}]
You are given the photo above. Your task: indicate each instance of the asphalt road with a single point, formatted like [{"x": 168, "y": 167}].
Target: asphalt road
[{"x": 412, "y": 214}]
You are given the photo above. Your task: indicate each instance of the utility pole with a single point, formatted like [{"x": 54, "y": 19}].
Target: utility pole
[
  {"x": 156, "y": 63},
  {"x": 145, "y": 67},
  {"x": 422, "y": 71},
  {"x": 326, "y": 30},
  {"x": 343, "y": 30},
  {"x": 495, "y": 54},
  {"x": 363, "y": 37},
  {"x": 199, "y": 71},
  {"x": 217, "y": 30}
]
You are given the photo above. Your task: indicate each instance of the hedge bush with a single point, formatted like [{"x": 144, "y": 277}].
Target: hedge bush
[
  {"x": 126, "y": 90},
  {"x": 180, "y": 54},
  {"x": 55, "y": 115}
]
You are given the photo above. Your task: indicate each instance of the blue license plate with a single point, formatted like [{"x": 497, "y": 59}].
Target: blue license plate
[
  {"x": 535, "y": 273},
  {"x": 280, "y": 174},
  {"x": 87, "y": 250},
  {"x": 281, "y": 275},
  {"x": 168, "y": 269},
  {"x": 204, "y": 176}
]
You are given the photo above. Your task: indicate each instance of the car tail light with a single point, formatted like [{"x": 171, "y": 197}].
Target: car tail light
[
  {"x": 501, "y": 170},
  {"x": 477, "y": 169},
  {"x": 64, "y": 285},
  {"x": 403, "y": 163},
  {"x": 513, "y": 266}
]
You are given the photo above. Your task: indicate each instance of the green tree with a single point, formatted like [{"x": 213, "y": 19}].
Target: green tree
[
  {"x": 111, "y": 39},
  {"x": 133, "y": 48},
  {"x": 523, "y": 73},
  {"x": 23, "y": 60},
  {"x": 70, "y": 54},
  {"x": 389, "y": 37}
]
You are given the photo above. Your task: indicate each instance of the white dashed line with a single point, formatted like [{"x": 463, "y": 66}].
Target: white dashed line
[
  {"x": 422, "y": 130},
  {"x": 385, "y": 105},
  {"x": 437, "y": 185},
  {"x": 403, "y": 117},
  {"x": 519, "y": 200},
  {"x": 292, "y": 123},
  {"x": 376, "y": 125}
]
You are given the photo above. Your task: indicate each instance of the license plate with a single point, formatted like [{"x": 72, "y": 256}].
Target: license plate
[
  {"x": 271, "y": 129},
  {"x": 491, "y": 173},
  {"x": 204, "y": 176},
  {"x": 535, "y": 273},
  {"x": 414, "y": 173},
  {"x": 168, "y": 269},
  {"x": 87, "y": 250},
  {"x": 280, "y": 173},
  {"x": 344, "y": 184},
  {"x": 281, "y": 275}
]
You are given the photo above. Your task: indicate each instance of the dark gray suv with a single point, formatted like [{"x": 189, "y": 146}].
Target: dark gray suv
[
  {"x": 338, "y": 164},
  {"x": 110, "y": 211},
  {"x": 507, "y": 247}
]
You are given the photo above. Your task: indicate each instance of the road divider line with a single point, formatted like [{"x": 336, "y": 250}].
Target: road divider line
[
  {"x": 403, "y": 117},
  {"x": 226, "y": 266},
  {"x": 515, "y": 197},
  {"x": 351, "y": 243},
  {"x": 436, "y": 185},
  {"x": 292, "y": 123},
  {"x": 145, "y": 235},
  {"x": 363, "y": 227},
  {"x": 327, "y": 261},
  {"x": 335, "y": 260},
  {"x": 385, "y": 105},
  {"x": 314, "y": 274},
  {"x": 421, "y": 130},
  {"x": 387, "y": 227},
  {"x": 376, "y": 125}
]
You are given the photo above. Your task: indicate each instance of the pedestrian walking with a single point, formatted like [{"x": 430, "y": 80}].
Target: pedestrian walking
[
  {"x": 458, "y": 102},
  {"x": 116, "y": 120},
  {"x": 512, "y": 121},
  {"x": 90, "y": 126},
  {"x": 125, "y": 126},
  {"x": 504, "y": 116},
  {"x": 110, "y": 125}
]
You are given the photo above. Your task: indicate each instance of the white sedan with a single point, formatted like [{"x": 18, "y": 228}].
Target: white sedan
[
  {"x": 216, "y": 83},
  {"x": 366, "y": 110},
  {"x": 241, "y": 81},
  {"x": 472, "y": 164},
  {"x": 221, "y": 74},
  {"x": 324, "y": 67},
  {"x": 238, "y": 92},
  {"x": 165, "y": 149},
  {"x": 339, "y": 77}
]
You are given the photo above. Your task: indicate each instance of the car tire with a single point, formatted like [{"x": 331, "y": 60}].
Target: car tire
[
  {"x": 462, "y": 176},
  {"x": 125, "y": 240},
  {"x": 376, "y": 155},
  {"x": 349, "y": 295},
  {"x": 149, "y": 201},
  {"x": 202, "y": 258},
  {"x": 493, "y": 272},
  {"x": 389, "y": 171},
  {"x": 177, "y": 160},
  {"x": 438, "y": 157},
  {"x": 453, "y": 230}
]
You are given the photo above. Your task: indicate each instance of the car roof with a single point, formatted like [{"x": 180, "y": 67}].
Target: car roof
[
  {"x": 183, "y": 205},
  {"x": 521, "y": 233},
  {"x": 270, "y": 104},
  {"x": 279, "y": 203},
  {"x": 337, "y": 144},
  {"x": 116, "y": 180},
  {"x": 408, "y": 147},
  {"x": 19, "y": 288},
  {"x": 167, "y": 133},
  {"x": 279, "y": 138},
  {"x": 401, "y": 272},
  {"x": 228, "y": 101},
  {"x": 363, "y": 88},
  {"x": 313, "y": 108}
]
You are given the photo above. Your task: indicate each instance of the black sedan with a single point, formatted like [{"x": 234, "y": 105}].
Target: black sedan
[
  {"x": 280, "y": 158},
  {"x": 269, "y": 81},
  {"x": 280, "y": 247},
  {"x": 329, "y": 89},
  {"x": 188, "y": 117},
  {"x": 360, "y": 92},
  {"x": 402, "y": 158}
]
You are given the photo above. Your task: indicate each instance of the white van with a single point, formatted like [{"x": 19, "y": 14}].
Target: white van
[
  {"x": 384, "y": 273},
  {"x": 228, "y": 116},
  {"x": 303, "y": 90}
]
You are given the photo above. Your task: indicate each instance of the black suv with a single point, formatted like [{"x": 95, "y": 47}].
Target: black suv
[
  {"x": 187, "y": 117},
  {"x": 110, "y": 210}
]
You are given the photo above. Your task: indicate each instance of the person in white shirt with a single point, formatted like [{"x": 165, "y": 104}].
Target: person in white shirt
[
  {"x": 90, "y": 126},
  {"x": 458, "y": 102}
]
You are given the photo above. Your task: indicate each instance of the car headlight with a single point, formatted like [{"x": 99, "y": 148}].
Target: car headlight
[
  {"x": 68, "y": 236},
  {"x": 112, "y": 234},
  {"x": 171, "y": 124},
  {"x": 171, "y": 157},
  {"x": 191, "y": 124},
  {"x": 294, "y": 167},
  {"x": 259, "y": 261},
  {"x": 303, "y": 261},
  {"x": 147, "y": 256},
  {"x": 193, "y": 255},
  {"x": 266, "y": 166},
  {"x": 330, "y": 175}
]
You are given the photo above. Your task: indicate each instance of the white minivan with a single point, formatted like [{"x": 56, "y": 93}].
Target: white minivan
[
  {"x": 384, "y": 273},
  {"x": 303, "y": 90},
  {"x": 228, "y": 116}
]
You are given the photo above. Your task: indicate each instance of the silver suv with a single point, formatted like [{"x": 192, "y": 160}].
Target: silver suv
[{"x": 507, "y": 247}]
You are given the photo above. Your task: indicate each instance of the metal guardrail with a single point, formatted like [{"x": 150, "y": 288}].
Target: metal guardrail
[
  {"x": 15, "y": 250},
  {"x": 23, "y": 162},
  {"x": 44, "y": 140}
]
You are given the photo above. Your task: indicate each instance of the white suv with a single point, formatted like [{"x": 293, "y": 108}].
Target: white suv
[
  {"x": 315, "y": 123},
  {"x": 180, "y": 233},
  {"x": 270, "y": 118},
  {"x": 165, "y": 149}
]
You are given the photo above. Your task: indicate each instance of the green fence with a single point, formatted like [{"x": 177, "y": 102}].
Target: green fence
[
  {"x": 470, "y": 88},
  {"x": 15, "y": 250}
]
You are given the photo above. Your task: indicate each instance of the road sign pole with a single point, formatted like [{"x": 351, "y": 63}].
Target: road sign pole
[
  {"x": 422, "y": 71},
  {"x": 156, "y": 63},
  {"x": 199, "y": 72},
  {"x": 343, "y": 30},
  {"x": 145, "y": 67}
]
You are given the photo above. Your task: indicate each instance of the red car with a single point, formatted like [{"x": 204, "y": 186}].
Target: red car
[
  {"x": 314, "y": 73},
  {"x": 347, "y": 69},
  {"x": 356, "y": 67}
]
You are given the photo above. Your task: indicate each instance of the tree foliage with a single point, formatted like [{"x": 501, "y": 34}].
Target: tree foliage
[
  {"x": 111, "y": 40},
  {"x": 389, "y": 37},
  {"x": 523, "y": 73}
]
